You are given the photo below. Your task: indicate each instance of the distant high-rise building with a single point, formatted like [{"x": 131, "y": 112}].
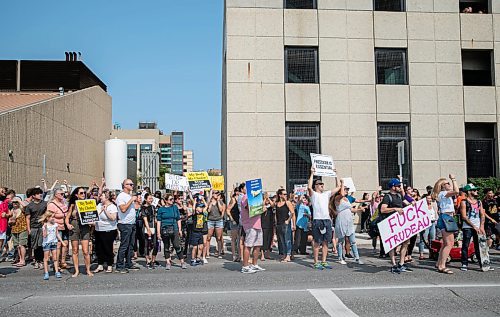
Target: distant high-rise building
[{"x": 188, "y": 161}]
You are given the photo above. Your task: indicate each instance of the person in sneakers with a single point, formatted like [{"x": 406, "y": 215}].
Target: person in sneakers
[
  {"x": 322, "y": 223},
  {"x": 169, "y": 229},
  {"x": 34, "y": 210},
  {"x": 148, "y": 216},
  {"x": 5, "y": 215},
  {"x": 19, "y": 230},
  {"x": 394, "y": 202},
  {"x": 344, "y": 225},
  {"x": 51, "y": 237},
  {"x": 443, "y": 193},
  {"x": 199, "y": 227},
  {"x": 126, "y": 226},
  {"x": 473, "y": 216},
  {"x": 254, "y": 236}
]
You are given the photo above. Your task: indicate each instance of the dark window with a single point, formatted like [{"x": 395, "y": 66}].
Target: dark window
[
  {"x": 301, "y": 64},
  {"x": 132, "y": 152},
  {"x": 302, "y": 139},
  {"x": 389, "y": 5},
  {"x": 8, "y": 75},
  {"x": 477, "y": 68},
  {"x": 300, "y": 4},
  {"x": 391, "y": 66},
  {"x": 480, "y": 149},
  {"x": 389, "y": 135},
  {"x": 475, "y": 6},
  {"x": 177, "y": 138}
]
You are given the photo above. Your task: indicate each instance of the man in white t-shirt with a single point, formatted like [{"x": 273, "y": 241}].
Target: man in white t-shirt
[
  {"x": 126, "y": 226},
  {"x": 322, "y": 223}
]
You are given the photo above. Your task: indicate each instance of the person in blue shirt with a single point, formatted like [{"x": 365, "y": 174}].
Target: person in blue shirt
[
  {"x": 302, "y": 226},
  {"x": 170, "y": 230}
]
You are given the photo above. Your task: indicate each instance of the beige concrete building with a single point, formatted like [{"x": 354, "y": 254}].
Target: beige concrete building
[
  {"x": 69, "y": 130},
  {"x": 352, "y": 78},
  {"x": 188, "y": 161}
]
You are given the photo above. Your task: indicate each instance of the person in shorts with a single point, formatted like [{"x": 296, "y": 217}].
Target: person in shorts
[
  {"x": 19, "y": 230},
  {"x": 199, "y": 228},
  {"x": 322, "y": 223},
  {"x": 253, "y": 237}
]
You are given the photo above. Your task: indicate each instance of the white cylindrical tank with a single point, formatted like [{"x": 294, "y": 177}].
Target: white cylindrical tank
[{"x": 115, "y": 163}]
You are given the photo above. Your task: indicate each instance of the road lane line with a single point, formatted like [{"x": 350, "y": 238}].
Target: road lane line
[
  {"x": 422, "y": 286},
  {"x": 331, "y": 303}
]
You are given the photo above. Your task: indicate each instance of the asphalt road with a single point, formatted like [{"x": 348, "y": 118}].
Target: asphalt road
[{"x": 291, "y": 289}]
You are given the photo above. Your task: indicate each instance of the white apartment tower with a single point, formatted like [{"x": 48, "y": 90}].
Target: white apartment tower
[{"x": 353, "y": 78}]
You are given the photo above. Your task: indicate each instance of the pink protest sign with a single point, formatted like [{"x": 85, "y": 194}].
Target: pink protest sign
[{"x": 397, "y": 228}]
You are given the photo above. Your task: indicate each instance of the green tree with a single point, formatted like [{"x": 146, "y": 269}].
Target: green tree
[{"x": 161, "y": 179}]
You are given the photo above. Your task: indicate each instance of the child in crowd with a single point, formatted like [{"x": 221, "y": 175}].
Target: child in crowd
[{"x": 51, "y": 236}]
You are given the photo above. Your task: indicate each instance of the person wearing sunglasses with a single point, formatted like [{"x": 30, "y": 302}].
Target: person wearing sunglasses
[
  {"x": 78, "y": 233},
  {"x": 169, "y": 229},
  {"x": 58, "y": 206},
  {"x": 322, "y": 223},
  {"x": 126, "y": 226}
]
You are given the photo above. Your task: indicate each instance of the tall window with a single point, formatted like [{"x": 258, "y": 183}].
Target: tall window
[
  {"x": 391, "y": 66},
  {"x": 389, "y": 135},
  {"x": 301, "y": 64},
  {"x": 132, "y": 152},
  {"x": 389, "y": 5},
  {"x": 480, "y": 149},
  {"x": 302, "y": 139},
  {"x": 477, "y": 68},
  {"x": 300, "y": 4}
]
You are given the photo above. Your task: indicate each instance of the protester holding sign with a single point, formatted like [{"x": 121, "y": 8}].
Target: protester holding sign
[
  {"x": 443, "y": 192},
  {"x": 322, "y": 223},
  {"x": 394, "y": 202},
  {"x": 344, "y": 224},
  {"x": 78, "y": 232},
  {"x": 252, "y": 228}
]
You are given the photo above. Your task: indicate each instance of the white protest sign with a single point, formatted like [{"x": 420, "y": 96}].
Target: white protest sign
[
  {"x": 300, "y": 189},
  {"x": 176, "y": 182},
  {"x": 397, "y": 228},
  {"x": 323, "y": 165},
  {"x": 155, "y": 201},
  {"x": 349, "y": 183}
]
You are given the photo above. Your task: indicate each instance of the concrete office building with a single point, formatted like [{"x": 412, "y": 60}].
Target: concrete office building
[
  {"x": 149, "y": 138},
  {"x": 188, "y": 161},
  {"x": 352, "y": 78},
  {"x": 51, "y": 134}
]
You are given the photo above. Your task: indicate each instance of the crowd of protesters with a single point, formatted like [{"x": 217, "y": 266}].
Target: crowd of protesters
[{"x": 46, "y": 228}]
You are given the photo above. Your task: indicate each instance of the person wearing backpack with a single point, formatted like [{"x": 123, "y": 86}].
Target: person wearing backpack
[
  {"x": 473, "y": 215},
  {"x": 394, "y": 202}
]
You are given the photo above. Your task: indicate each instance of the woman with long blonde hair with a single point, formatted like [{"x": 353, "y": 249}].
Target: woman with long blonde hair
[{"x": 443, "y": 192}]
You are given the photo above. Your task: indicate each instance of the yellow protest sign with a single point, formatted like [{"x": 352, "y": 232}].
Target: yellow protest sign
[
  {"x": 87, "y": 210},
  {"x": 217, "y": 182},
  {"x": 198, "y": 181}
]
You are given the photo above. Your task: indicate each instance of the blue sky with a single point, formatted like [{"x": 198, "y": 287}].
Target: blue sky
[{"x": 161, "y": 60}]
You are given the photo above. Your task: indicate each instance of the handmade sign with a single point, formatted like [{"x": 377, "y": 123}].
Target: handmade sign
[
  {"x": 323, "y": 165},
  {"x": 255, "y": 197},
  {"x": 87, "y": 211},
  {"x": 198, "y": 181},
  {"x": 397, "y": 228}
]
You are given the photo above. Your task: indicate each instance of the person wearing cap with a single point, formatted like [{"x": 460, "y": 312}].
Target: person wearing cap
[
  {"x": 443, "y": 193},
  {"x": 394, "y": 202},
  {"x": 322, "y": 223},
  {"x": 19, "y": 230},
  {"x": 473, "y": 218}
]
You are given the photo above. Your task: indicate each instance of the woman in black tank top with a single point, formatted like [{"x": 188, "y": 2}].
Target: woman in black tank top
[{"x": 284, "y": 213}]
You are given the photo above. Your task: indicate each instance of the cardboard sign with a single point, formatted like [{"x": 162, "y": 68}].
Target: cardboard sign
[
  {"x": 323, "y": 164},
  {"x": 255, "y": 197},
  {"x": 198, "y": 181},
  {"x": 397, "y": 228},
  {"x": 217, "y": 182},
  {"x": 349, "y": 183},
  {"x": 300, "y": 189},
  {"x": 87, "y": 211},
  {"x": 176, "y": 182}
]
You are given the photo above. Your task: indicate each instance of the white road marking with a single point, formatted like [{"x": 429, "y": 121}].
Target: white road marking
[
  {"x": 331, "y": 303},
  {"x": 388, "y": 287}
]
